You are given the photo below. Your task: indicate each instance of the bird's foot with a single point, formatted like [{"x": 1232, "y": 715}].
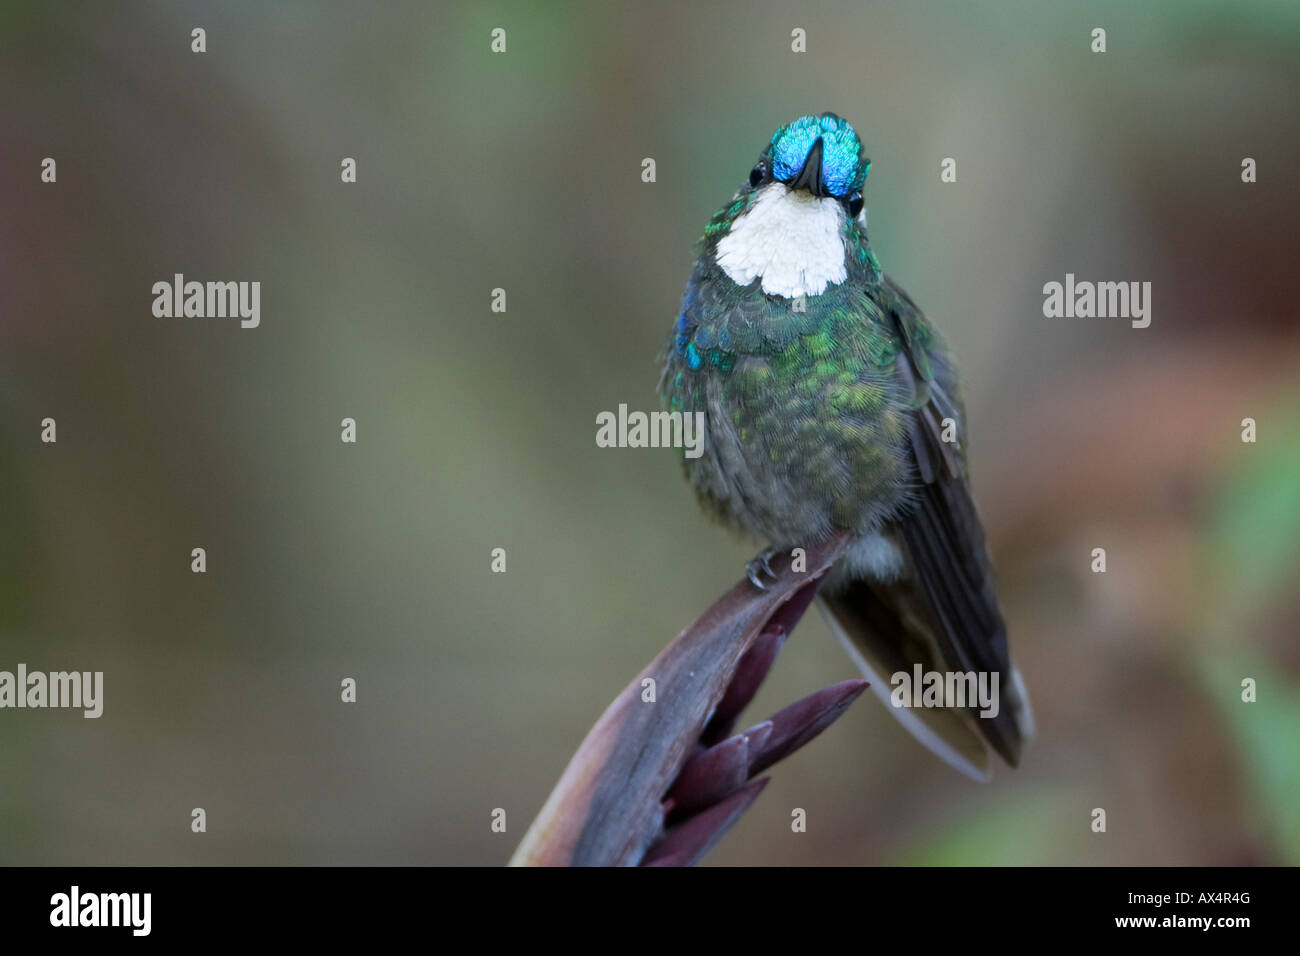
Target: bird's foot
[{"x": 762, "y": 564}]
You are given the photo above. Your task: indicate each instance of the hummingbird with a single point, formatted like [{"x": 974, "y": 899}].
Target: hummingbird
[{"x": 831, "y": 405}]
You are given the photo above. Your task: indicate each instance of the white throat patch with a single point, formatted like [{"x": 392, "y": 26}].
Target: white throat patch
[{"x": 790, "y": 239}]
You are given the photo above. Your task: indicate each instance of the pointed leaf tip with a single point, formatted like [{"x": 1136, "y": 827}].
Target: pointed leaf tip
[{"x": 802, "y": 721}]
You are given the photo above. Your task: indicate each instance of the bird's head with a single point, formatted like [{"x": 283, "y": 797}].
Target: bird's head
[
  {"x": 821, "y": 155},
  {"x": 798, "y": 219}
]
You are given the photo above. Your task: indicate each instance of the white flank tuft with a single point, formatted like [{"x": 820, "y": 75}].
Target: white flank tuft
[{"x": 874, "y": 556}]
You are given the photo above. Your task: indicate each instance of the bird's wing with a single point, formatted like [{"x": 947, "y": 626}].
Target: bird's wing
[{"x": 943, "y": 613}]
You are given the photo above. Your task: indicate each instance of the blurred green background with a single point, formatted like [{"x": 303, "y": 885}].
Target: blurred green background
[{"x": 476, "y": 429}]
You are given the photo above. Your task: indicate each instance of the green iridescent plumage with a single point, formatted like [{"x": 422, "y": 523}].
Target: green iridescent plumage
[
  {"x": 811, "y": 387},
  {"x": 830, "y": 404}
]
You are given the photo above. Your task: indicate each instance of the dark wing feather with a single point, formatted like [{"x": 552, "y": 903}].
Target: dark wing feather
[
  {"x": 946, "y": 549},
  {"x": 944, "y": 613}
]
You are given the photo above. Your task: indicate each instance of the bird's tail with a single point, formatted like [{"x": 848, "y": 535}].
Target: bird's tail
[{"x": 885, "y": 630}]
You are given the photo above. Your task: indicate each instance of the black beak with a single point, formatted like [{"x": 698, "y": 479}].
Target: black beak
[{"x": 810, "y": 177}]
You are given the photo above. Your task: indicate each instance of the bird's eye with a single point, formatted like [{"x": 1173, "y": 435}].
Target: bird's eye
[
  {"x": 855, "y": 204},
  {"x": 757, "y": 175}
]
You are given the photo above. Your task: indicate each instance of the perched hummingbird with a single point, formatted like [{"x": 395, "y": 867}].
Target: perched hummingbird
[{"x": 832, "y": 405}]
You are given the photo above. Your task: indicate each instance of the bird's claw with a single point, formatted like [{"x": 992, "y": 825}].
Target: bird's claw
[{"x": 762, "y": 564}]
